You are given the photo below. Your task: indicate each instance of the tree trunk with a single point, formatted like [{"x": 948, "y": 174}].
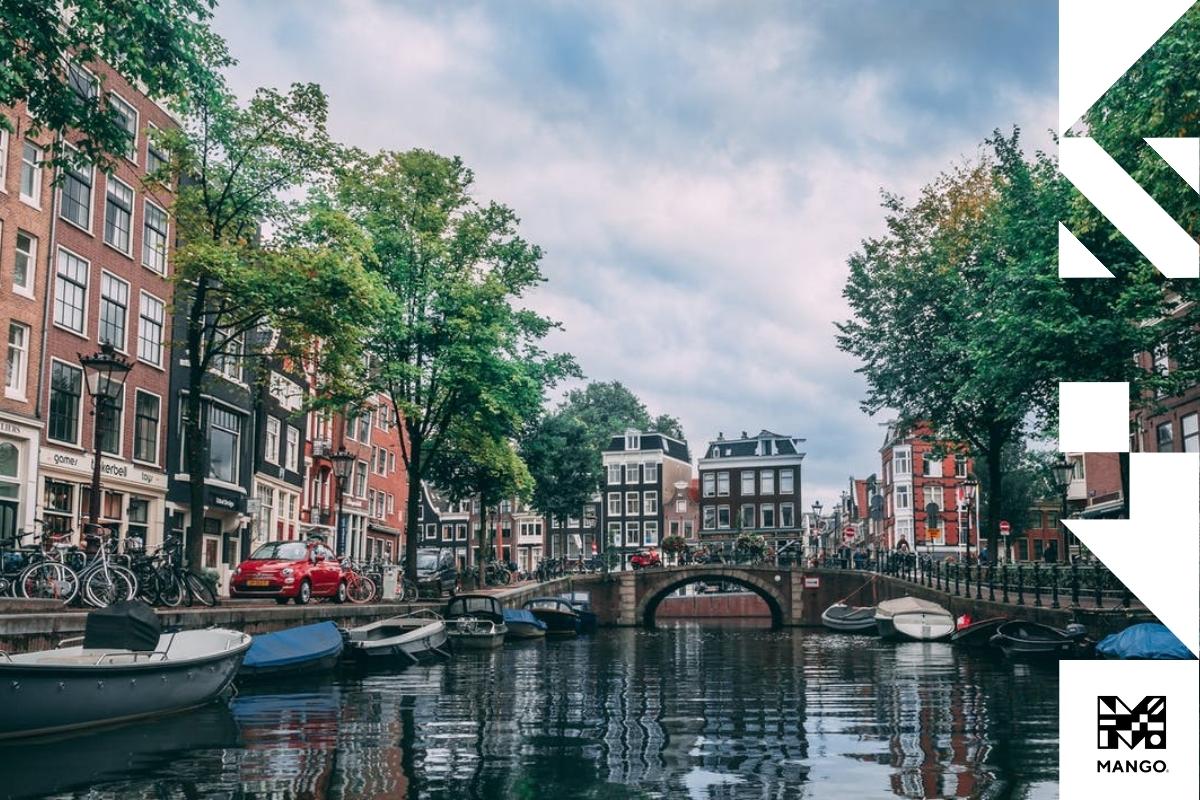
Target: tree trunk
[
  {"x": 1123, "y": 459},
  {"x": 412, "y": 526},
  {"x": 480, "y": 581},
  {"x": 196, "y": 441},
  {"x": 995, "y": 493}
]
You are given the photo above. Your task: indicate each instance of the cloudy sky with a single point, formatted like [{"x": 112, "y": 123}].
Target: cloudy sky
[{"x": 696, "y": 172}]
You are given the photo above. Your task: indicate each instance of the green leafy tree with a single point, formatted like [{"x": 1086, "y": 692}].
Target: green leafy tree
[
  {"x": 564, "y": 468},
  {"x": 165, "y": 45},
  {"x": 451, "y": 342}
]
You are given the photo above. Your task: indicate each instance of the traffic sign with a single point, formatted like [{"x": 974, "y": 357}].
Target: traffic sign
[
  {"x": 849, "y": 533},
  {"x": 1005, "y": 528}
]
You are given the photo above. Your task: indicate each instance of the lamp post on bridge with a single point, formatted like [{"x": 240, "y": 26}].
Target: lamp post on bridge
[
  {"x": 1062, "y": 469},
  {"x": 816, "y": 507},
  {"x": 343, "y": 462},
  {"x": 970, "y": 485}
]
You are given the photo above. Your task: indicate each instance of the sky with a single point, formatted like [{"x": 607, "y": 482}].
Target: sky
[{"x": 697, "y": 173}]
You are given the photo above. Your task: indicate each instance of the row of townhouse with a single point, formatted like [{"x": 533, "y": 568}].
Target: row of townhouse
[{"x": 86, "y": 259}]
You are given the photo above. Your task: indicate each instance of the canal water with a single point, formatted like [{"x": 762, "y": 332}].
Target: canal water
[{"x": 685, "y": 711}]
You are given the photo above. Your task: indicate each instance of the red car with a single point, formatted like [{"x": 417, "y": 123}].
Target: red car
[
  {"x": 290, "y": 570},
  {"x": 645, "y": 559}
]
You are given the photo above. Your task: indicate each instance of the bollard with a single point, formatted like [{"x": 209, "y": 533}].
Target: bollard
[
  {"x": 1037, "y": 586},
  {"x": 937, "y": 574},
  {"x": 1054, "y": 586},
  {"x": 956, "y": 576},
  {"x": 1004, "y": 582},
  {"x": 978, "y": 582},
  {"x": 991, "y": 582},
  {"x": 968, "y": 579},
  {"x": 1097, "y": 578},
  {"x": 1074, "y": 583},
  {"x": 1020, "y": 586}
]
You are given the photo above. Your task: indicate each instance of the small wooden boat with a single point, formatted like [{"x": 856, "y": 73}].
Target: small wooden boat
[
  {"x": 475, "y": 621},
  {"x": 582, "y": 603},
  {"x": 911, "y": 618},
  {"x": 414, "y": 636},
  {"x": 977, "y": 634},
  {"x": 560, "y": 617},
  {"x": 1146, "y": 640},
  {"x": 523, "y": 624},
  {"x": 1022, "y": 639},
  {"x": 304, "y": 650},
  {"x": 850, "y": 619},
  {"x": 114, "y": 676}
]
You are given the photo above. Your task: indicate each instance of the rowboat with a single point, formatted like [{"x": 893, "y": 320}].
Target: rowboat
[
  {"x": 849, "y": 619},
  {"x": 560, "y": 617},
  {"x": 414, "y": 636},
  {"x": 523, "y": 624},
  {"x": 475, "y": 621},
  {"x": 1147, "y": 640},
  {"x": 911, "y": 618},
  {"x": 1022, "y": 639},
  {"x": 977, "y": 634},
  {"x": 303, "y": 650}
]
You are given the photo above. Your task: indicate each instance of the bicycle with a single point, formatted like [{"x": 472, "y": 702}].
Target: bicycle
[
  {"x": 359, "y": 587},
  {"x": 103, "y": 581},
  {"x": 46, "y": 575},
  {"x": 176, "y": 584}
]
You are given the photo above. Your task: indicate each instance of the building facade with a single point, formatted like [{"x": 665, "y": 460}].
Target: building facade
[
  {"x": 281, "y": 426},
  {"x": 682, "y": 511},
  {"x": 752, "y": 484},
  {"x": 921, "y": 473},
  {"x": 579, "y": 536},
  {"x": 639, "y": 467}
]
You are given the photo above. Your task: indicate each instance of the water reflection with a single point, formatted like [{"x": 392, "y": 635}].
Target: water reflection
[{"x": 679, "y": 712}]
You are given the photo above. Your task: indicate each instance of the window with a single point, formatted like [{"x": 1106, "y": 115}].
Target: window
[
  {"x": 65, "y": 385},
  {"x": 787, "y": 515},
  {"x": 70, "y": 291},
  {"x": 24, "y": 263},
  {"x": 82, "y": 81},
  {"x": 228, "y": 361},
  {"x": 391, "y": 458},
  {"x": 614, "y": 504},
  {"x": 118, "y": 215},
  {"x": 681, "y": 506},
  {"x": 1165, "y": 437},
  {"x": 710, "y": 484},
  {"x": 127, "y": 118},
  {"x": 18, "y": 359},
  {"x": 722, "y": 484},
  {"x": 710, "y": 518},
  {"x": 787, "y": 481},
  {"x": 931, "y": 466},
  {"x": 31, "y": 174},
  {"x": 431, "y": 531},
  {"x": 150, "y": 329},
  {"x": 722, "y": 517},
  {"x": 614, "y": 474},
  {"x": 224, "y": 439},
  {"x": 746, "y": 516},
  {"x": 747, "y": 482},
  {"x": 650, "y": 505},
  {"x": 650, "y": 473},
  {"x": 631, "y": 473},
  {"x": 58, "y": 500},
  {"x": 902, "y": 498},
  {"x": 935, "y": 495},
  {"x": 904, "y": 529},
  {"x": 1189, "y": 426},
  {"x": 156, "y": 159},
  {"x": 145, "y": 427},
  {"x": 460, "y": 532},
  {"x": 614, "y": 534},
  {"x": 902, "y": 460},
  {"x": 631, "y": 533},
  {"x": 650, "y": 534},
  {"x": 1034, "y": 521},
  {"x": 112, "y": 423},
  {"x": 768, "y": 515},
  {"x": 960, "y": 466},
  {"x": 271, "y": 441},
  {"x": 673, "y": 527},
  {"x": 359, "y": 488},
  {"x": 76, "y": 195},
  {"x": 633, "y": 441},
  {"x": 114, "y": 310},
  {"x": 364, "y": 426},
  {"x": 154, "y": 237},
  {"x": 3, "y": 158},
  {"x": 688, "y": 530},
  {"x": 292, "y": 457},
  {"x": 632, "y": 504},
  {"x": 766, "y": 481}
]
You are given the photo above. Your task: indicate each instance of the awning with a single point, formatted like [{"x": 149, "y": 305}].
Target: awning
[
  {"x": 371, "y": 526},
  {"x": 1101, "y": 510}
]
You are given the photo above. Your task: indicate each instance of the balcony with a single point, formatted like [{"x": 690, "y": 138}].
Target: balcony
[{"x": 321, "y": 448}]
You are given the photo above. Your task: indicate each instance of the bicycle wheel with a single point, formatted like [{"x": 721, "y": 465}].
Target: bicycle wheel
[
  {"x": 105, "y": 585},
  {"x": 360, "y": 589},
  {"x": 48, "y": 580},
  {"x": 409, "y": 592},
  {"x": 200, "y": 590},
  {"x": 148, "y": 588},
  {"x": 170, "y": 587}
]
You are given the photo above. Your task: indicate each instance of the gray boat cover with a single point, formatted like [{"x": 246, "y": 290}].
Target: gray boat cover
[
  {"x": 127, "y": 625},
  {"x": 908, "y": 605}
]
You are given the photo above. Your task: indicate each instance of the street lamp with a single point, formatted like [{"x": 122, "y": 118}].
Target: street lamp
[
  {"x": 816, "y": 507},
  {"x": 343, "y": 462},
  {"x": 969, "y": 487},
  {"x": 105, "y": 373},
  {"x": 1063, "y": 470}
]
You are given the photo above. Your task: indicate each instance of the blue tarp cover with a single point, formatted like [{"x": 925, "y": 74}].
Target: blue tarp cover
[
  {"x": 1146, "y": 640},
  {"x": 293, "y": 646},
  {"x": 521, "y": 615}
]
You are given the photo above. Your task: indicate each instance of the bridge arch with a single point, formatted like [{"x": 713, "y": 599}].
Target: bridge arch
[{"x": 659, "y": 587}]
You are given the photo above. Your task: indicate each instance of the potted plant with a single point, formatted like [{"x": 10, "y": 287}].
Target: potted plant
[
  {"x": 674, "y": 544},
  {"x": 751, "y": 546}
]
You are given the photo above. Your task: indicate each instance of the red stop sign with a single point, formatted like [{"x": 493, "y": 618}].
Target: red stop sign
[{"x": 1005, "y": 528}]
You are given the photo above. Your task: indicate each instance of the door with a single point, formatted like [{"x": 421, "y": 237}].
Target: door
[{"x": 8, "y": 521}]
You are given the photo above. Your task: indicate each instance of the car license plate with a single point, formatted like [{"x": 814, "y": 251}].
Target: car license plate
[{"x": 258, "y": 583}]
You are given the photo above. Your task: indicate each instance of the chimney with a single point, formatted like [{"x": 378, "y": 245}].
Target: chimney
[
  {"x": 744, "y": 436},
  {"x": 721, "y": 436}
]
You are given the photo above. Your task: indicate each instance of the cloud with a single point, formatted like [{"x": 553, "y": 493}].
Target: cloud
[{"x": 697, "y": 173}]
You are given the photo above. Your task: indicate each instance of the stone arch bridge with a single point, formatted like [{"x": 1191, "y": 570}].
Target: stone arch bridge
[{"x": 639, "y": 592}]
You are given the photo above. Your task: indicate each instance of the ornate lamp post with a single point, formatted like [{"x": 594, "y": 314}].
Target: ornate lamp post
[
  {"x": 343, "y": 462},
  {"x": 106, "y": 372},
  {"x": 970, "y": 485},
  {"x": 816, "y": 507},
  {"x": 1062, "y": 469}
]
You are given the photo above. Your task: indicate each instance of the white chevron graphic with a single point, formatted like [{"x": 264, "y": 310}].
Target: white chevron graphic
[
  {"x": 1182, "y": 154},
  {"x": 1075, "y": 260}
]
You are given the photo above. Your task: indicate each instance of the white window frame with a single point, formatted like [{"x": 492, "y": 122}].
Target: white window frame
[
  {"x": 633, "y": 441},
  {"x": 709, "y": 518},
  {"x": 34, "y": 199},
  {"x": 633, "y": 533},
  {"x": 614, "y": 504},
  {"x": 26, "y": 289},
  {"x": 902, "y": 461},
  {"x": 143, "y": 305},
  {"x": 633, "y": 504},
  {"x": 131, "y": 155},
  {"x": 766, "y": 482},
  {"x": 633, "y": 474},
  {"x": 763, "y": 511},
  {"x": 271, "y": 441},
  {"x": 709, "y": 483},
  {"x": 650, "y": 472},
  {"x": 147, "y": 203},
  {"x": 16, "y": 381},
  {"x": 681, "y": 506},
  {"x": 292, "y": 449},
  {"x": 787, "y": 481},
  {"x": 747, "y": 477},
  {"x": 903, "y": 491},
  {"x": 3, "y": 161},
  {"x": 78, "y": 406},
  {"x": 723, "y": 510},
  {"x": 650, "y": 534},
  {"x": 614, "y": 474},
  {"x": 158, "y": 430},
  {"x": 722, "y": 481},
  {"x": 151, "y": 128},
  {"x": 650, "y": 503},
  {"x": 91, "y": 200},
  {"x": 123, "y": 345},
  {"x": 753, "y": 515},
  {"x": 935, "y": 494},
  {"x": 119, "y": 452},
  {"x": 791, "y": 511},
  {"x": 109, "y": 181},
  {"x": 82, "y": 332}
]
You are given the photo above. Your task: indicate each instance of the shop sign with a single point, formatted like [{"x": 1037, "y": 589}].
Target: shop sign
[
  {"x": 225, "y": 501},
  {"x": 81, "y": 463}
]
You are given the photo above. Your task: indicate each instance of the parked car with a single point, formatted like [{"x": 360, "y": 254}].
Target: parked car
[
  {"x": 436, "y": 571},
  {"x": 646, "y": 558},
  {"x": 289, "y": 570}
]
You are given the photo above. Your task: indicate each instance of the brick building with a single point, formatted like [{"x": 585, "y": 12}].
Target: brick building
[
  {"x": 1166, "y": 424},
  {"x": 752, "y": 484},
  {"x": 682, "y": 511},
  {"x": 281, "y": 426},
  {"x": 638, "y": 468},
  {"x": 919, "y": 470},
  {"x": 387, "y": 487}
]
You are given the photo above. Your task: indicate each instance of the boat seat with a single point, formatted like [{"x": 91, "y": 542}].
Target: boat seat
[{"x": 93, "y": 657}]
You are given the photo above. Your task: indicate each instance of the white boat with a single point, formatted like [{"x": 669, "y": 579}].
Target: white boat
[
  {"x": 419, "y": 634},
  {"x": 849, "y": 619},
  {"x": 913, "y": 619},
  {"x": 476, "y": 621}
]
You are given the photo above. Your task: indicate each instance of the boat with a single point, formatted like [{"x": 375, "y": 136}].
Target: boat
[
  {"x": 977, "y": 634},
  {"x": 523, "y": 624},
  {"x": 560, "y": 617},
  {"x": 304, "y": 650},
  {"x": 850, "y": 619},
  {"x": 911, "y": 618},
  {"x": 1032, "y": 640},
  {"x": 1146, "y": 640},
  {"x": 414, "y": 636},
  {"x": 122, "y": 668},
  {"x": 475, "y": 621},
  {"x": 582, "y": 603}
]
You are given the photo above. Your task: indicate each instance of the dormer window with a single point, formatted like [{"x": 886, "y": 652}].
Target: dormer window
[
  {"x": 633, "y": 441},
  {"x": 766, "y": 446}
]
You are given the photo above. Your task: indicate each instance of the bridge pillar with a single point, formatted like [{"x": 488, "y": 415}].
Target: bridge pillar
[
  {"x": 627, "y": 600},
  {"x": 795, "y": 615}
]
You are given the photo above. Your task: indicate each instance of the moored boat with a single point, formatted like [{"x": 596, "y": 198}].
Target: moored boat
[
  {"x": 304, "y": 650},
  {"x": 850, "y": 619},
  {"x": 475, "y": 621},
  {"x": 1146, "y": 640},
  {"x": 582, "y": 603},
  {"x": 413, "y": 637},
  {"x": 977, "y": 634},
  {"x": 522, "y": 624},
  {"x": 1032, "y": 640},
  {"x": 560, "y": 617},
  {"x": 114, "y": 675},
  {"x": 911, "y": 618}
]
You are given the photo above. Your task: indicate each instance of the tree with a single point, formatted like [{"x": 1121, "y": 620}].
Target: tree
[
  {"x": 564, "y": 468},
  {"x": 608, "y": 408},
  {"x": 303, "y": 292},
  {"x": 165, "y": 45},
  {"x": 449, "y": 343}
]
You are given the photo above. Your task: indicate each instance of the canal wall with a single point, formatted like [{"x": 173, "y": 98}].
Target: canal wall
[{"x": 725, "y": 604}]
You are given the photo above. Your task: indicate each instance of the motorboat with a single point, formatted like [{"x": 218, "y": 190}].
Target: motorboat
[
  {"x": 850, "y": 619},
  {"x": 1032, "y": 640},
  {"x": 304, "y": 650},
  {"x": 414, "y": 636},
  {"x": 522, "y": 624},
  {"x": 560, "y": 617},
  {"x": 475, "y": 621},
  {"x": 582, "y": 603},
  {"x": 121, "y": 669},
  {"x": 911, "y": 618},
  {"x": 977, "y": 633},
  {"x": 1146, "y": 640}
]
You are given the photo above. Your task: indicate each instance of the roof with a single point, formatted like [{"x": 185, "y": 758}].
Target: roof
[
  {"x": 650, "y": 442},
  {"x": 747, "y": 446}
]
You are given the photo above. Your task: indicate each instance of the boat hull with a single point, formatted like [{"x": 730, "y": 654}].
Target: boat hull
[
  {"x": 977, "y": 634},
  {"x": 305, "y": 669},
  {"x": 921, "y": 626},
  {"x": 852, "y": 620},
  {"x": 525, "y": 630},
  {"x": 424, "y": 642},
  {"x": 1031, "y": 641},
  {"x": 478, "y": 641},
  {"x": 558, "y": 624}
]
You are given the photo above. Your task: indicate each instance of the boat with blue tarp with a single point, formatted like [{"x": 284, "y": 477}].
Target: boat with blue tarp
[
  {"x": 303, "y": 650},
  {"x": 522, "y": 624},
  {"x": 1146, "y": 640}
]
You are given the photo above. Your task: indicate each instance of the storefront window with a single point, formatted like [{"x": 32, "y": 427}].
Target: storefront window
[
  {"x": 224, "y": 435},
  {"x": 57, "y": 505},
  {"x": 139, "y": 518}
]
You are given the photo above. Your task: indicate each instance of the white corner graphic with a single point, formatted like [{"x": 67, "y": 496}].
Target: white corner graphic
[
  {"x": 1093, "y": 417},
  {"x": 1075, "y": 260},
  {"x": 1182, "y": 154}
]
